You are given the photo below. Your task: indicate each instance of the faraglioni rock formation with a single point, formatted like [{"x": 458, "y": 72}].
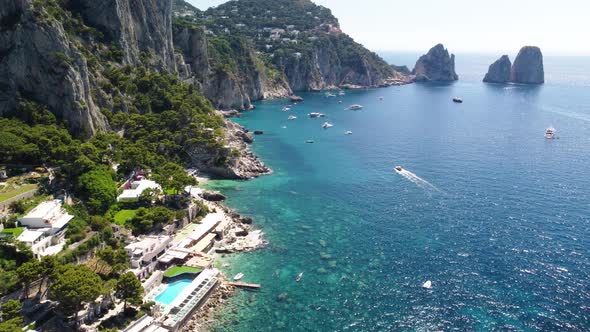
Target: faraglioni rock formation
[
  {"x": 499, "y": 71},
  {"x": 436, "y": 66},
  {"x": 528, "y": 66}
]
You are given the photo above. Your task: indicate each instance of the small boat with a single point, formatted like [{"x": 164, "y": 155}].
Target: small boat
[
  {"x": 327, "y": 125},
  {"x": 299, "y": 276},
  {"x": 348, "y": 133},
  {"x": 550, "y": 133},
  {"x": 286, "y": 109},
  {"x": 355, "y": 107},
  {"x": 225, "y": 265},
  {"x": 330, "y": 95},
  {"x": 315, "y": 115},
  {"x": 238, "y": 276},
  {"x": 398, "y": 168},
  {"x": 309, "y": 141},
  {"x": 427, "y": 285},
  {"x": 457, "y": 100},
  {"x": 341, "y": 93},
  {"x": 340, "y": 102},
  {"x": 380, "y": 98},
  {"x": 291, "y": 117}
]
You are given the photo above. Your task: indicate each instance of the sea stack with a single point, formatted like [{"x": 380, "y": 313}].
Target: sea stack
[
  {"x": 499, "y": 71},
  {"x": 436, "y": 66},
  {"x": 528, "y": 66}
]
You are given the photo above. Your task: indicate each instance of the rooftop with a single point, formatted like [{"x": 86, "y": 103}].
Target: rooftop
[{"x": 30, "y": 236}]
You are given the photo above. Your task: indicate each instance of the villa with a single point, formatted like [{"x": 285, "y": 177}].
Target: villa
[
  {"x": 143, "y": 254},
  {"x": 133, "y": 189},
  {"x": 45, "y": 228}
]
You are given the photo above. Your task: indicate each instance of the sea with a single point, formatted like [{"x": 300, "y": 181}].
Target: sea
[{"x": 494, "y": 215}]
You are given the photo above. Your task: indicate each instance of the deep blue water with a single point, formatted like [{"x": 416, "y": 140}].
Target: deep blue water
[{"x": 500, "y": 227}]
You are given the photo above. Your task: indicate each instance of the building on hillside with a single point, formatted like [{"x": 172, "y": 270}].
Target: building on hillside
[
  {"x": 144, "y": 253},
  {"x": 45, "y": 228},
  {"x": 133, "y": 189}
]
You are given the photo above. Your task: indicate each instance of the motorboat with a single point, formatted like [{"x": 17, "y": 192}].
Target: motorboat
[
  {"x": 340, "y": 102},
  {"x": 286, "y": 109},
  {"x": 327, "y": 125},
  {"x": 292, "y": 117},
  {"x": 355, "y": 107},
  {"x": 550, "y": 133},
  {"x": 309, "y": 141},
  {"x": 315, "y": 115},
  {"x": 427, "y": 284},
  {"x": 457, "y": 100},
  {"x": 341, "y": 93},
  {"x": 380, "y": 98},
  {"x": 299, "y": 277},
  {"x": 238, "y": 276},
  {"x": 348, "y": 133},
  {"x": 330, "y": 95},
  {"x": 398, "y": 168}
]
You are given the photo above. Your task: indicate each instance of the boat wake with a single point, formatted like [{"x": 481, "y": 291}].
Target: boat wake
[{"x": 420, "y": 182}]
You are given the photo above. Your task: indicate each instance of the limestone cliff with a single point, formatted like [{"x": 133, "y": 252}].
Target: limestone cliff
[
  {"x": 499, "y": 71},
  {"x": 40, "y": 62},
  {"x": 528, "y": 66},
  {"x": 436, "y": 66},
  {"x": 231, "y": 76}
]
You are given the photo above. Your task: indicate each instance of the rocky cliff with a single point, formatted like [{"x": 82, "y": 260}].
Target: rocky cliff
[
  {"x": 40, "y": 62},
  {"x": 528, "y": 66},
  {"x": 436, "y": 66},
  {"x": 231, "y": 75},
  {"x": 499, "y": 71}
]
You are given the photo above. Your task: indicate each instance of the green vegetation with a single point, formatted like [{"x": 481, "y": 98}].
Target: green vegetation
[
  {"x": 123, "y": 216},
  {"x": 129, "y": 289},
  {"x": 10, "y": 192},
  {"x": 11, "y": 316},
  {"x": 148, "y": 219},
  {"x": 175, "y": 271},
  {"x": 14, "y": 232},
  {"x": 99, "y": 188}
]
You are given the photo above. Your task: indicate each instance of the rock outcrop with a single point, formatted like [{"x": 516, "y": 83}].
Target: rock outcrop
[
  {"x": 528, "y": 66},
  {"x": 436, "y": 66},
  {"x": 39, "y": 62},
  {"x": 499, "y": 71},
  {"x": 234, "y": 160}
]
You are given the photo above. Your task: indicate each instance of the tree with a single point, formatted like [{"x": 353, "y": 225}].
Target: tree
[
  {"x": 27, "y": 273},
  {"x": 173, "y": 176},
  {"x": 129, "y": 289},
  {"x": 99, "y": 189},
  {"x": 11, "y": 309},
  {"x": 12, "y": 325},
  {"x": 48, "y": 265},
  {"x": 74, "y": 286}
]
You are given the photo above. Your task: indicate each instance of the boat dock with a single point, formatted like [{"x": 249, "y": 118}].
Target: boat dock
[{"x": 244, "y": 285}]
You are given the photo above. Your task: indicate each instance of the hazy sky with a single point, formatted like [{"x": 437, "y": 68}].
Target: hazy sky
[{"x": 498, "y": 27}]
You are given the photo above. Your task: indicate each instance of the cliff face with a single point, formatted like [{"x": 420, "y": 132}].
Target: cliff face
[
  {"x": 436, "y": 66},
  {"x": 499, "y": 71},
  {"x": 136, "y": 25},
  {"x": 528, "y": 66},
  {"x": 40, "y": 62}
]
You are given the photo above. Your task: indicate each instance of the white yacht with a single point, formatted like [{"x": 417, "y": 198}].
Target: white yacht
[
  {"x": 427, "y": 285},
  {"x": 291, "y": 117},
  {"x": 286, "y": 109},
  {"x": 316, "y": 115},
  {"x": 299, "y": 276},
  {"x": 327, "y": 125},
  {"x": 330, "y": 95},
  {"x": 341, "y": 93},
  {"x": 355, "y": 107},
  {"x": 550, "y": 133},
  {"x": 238, "y": 276},
  {"x": 348, "y": 133}
]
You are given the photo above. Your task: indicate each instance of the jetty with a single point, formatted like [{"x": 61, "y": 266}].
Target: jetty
[{"x": 244, "y": 285}]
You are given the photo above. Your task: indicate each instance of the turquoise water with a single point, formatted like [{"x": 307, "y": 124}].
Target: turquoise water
[
  {"x": 172, "y": 290},
  {"x": 496, "y": 216}
]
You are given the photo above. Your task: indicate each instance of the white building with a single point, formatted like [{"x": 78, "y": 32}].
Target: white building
[
  {"x": 136, "y": 188},
  {"x": 45, "y": 228},
  {"x": 143, "y": 254}
]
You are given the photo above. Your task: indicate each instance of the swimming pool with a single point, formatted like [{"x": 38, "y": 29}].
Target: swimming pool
[{"x": 172, "y": 290}]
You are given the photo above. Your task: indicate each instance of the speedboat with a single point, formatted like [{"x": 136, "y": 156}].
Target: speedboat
[
  {"x": 330, "y": 95},
  {"x": 309, "y": 141},
  {"x": 299, "y": 276},
  {"x": 427, "y": 285},
  {"x": 355, "y": 107},
  {"x": 380, "y": 98},
  {"x": 348, "y": 133},
  {"x": 340, "y": 102},
  {"x": 291, "y": 117},
  {"x": 238, "y": 276},
  {"x": 341, "y": 93},
  {"x": 327, "y": 125},
  {"x": 550, "y": 133},
  {"x": 457, "y": 100},
  {"x": 286, "y": 109},
  {"x": 398, "y": 168},
  {"x": 315, "y": 115}
]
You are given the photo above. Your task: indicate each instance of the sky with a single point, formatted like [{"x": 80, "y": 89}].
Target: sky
[{"x": 463, "y": 26}]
